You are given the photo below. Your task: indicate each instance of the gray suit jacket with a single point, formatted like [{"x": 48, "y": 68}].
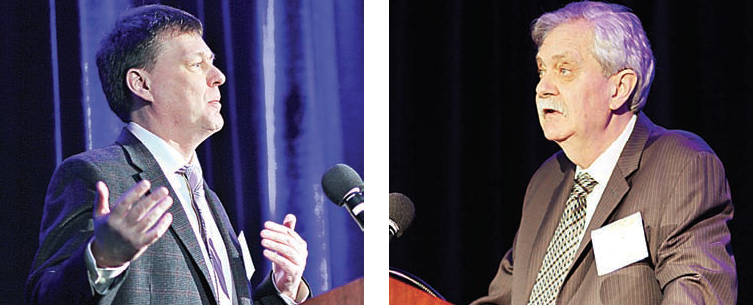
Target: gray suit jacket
[
  {"x": 171, "y": 271},
  {"x": 678, "y": 184}
]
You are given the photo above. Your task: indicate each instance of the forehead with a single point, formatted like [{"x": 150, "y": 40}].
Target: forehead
[
  {"x": 571, "y": 40},
  {"x": 184, "y": 45}
]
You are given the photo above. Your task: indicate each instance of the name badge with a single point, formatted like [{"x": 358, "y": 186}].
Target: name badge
[{"x": 619, "y": 244}]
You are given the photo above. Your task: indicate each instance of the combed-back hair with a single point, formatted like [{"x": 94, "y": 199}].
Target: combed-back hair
[{"x": 619, "y": 41}]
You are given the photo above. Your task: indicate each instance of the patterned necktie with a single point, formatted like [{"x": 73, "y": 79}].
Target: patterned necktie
[
  {"x": 196, "y": 183},
  {"x": 562, "y": 247}
]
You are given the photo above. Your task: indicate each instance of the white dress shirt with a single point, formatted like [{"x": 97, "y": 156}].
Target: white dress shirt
[{"x": 601, "y": 170}]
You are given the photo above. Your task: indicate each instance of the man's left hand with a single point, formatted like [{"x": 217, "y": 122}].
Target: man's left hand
[{"x": 288, "y": 253}]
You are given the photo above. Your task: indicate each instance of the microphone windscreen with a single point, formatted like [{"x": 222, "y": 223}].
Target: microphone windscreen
[
  {"x": 401, "y": 211},
  {"x": 338, "y": 181}
]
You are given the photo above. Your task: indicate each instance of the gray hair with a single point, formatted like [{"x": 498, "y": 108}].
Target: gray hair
[{"x": 619, "y": 41}]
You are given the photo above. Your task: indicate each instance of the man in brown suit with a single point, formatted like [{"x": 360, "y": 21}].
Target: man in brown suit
[{"x": 628, "y": 212}]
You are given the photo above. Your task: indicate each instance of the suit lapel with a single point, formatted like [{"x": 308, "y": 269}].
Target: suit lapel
[
  {"x": 142, "y": 159},
  {"x": 231, "y": 243},
  {"x": 549, "y": 219},
  {"x": 223, "y": 223},
  {"x": 618, "y": 184}
]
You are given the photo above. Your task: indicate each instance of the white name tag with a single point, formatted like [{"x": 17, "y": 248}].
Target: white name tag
[
  {"x": 619, "y": 244},
  {"x": 249, "y": 265}
]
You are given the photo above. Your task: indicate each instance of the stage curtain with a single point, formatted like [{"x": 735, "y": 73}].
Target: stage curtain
[{"x": 465, "y": 139}]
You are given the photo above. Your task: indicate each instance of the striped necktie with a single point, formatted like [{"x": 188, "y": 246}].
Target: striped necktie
[
  {"x": 196, "y": 183},
  {"x": 562, "y": 247}
]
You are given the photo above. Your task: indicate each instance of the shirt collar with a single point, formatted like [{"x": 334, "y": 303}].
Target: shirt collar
[
  {"x": 601, "y": 169},
  {"x": 168, "y": 158}
]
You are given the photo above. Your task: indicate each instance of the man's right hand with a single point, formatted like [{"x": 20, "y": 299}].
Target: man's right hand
[{"x": 123, "y": 233}]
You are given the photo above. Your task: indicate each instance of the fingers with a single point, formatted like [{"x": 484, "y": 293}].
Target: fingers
[
  {"x": 284, "y": 264},
  {"x": 133, "y": 224},
  {"x": 294, "y": 252},
  {"x": 101, "y": 203},
  {"x": 147, "y": 213},
  {"x": 144, "y": 208},
  {"x": 131, "y": 196},
  {"x": 289, "y": 221},
  {"x": 288, "y": 252},
  {"x": 159, "y": 229},
  {"x": 284, "y": 245},
  {"x": 282, "y": 229}
]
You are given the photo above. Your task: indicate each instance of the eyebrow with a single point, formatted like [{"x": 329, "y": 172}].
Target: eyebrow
[
  {"x": 568, "y": 56},
  {"x": 203, "y": 54}
]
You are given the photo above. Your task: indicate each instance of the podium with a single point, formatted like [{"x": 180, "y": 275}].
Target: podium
[
  {"x": 405, "y": 294},
  {"x": 348, "y": 294}
]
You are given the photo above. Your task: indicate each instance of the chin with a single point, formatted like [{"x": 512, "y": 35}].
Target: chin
[
  {"x": 215, "y": 126},
  {"x": 556, "y": 136},
  {"x": 555, "y": 131}
]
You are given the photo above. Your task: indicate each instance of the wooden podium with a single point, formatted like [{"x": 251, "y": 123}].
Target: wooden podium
[
  {"x": 404, "y": 294},
  {"x": 348, "y": 294}
]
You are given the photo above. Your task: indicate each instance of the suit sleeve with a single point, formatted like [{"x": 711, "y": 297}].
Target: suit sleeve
[
  {"x": 694, "y": 263},
  {"x": 59, "y": 273},
  {"x": 267, "y": 294}
]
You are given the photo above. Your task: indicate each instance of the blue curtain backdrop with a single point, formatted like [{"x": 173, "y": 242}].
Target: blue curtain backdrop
[{"x": 293, "y": 107}]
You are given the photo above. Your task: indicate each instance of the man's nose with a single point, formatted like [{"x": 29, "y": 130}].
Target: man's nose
[
  {"x": 546, "y": 88},
  {"x": 215, "y": 77}
]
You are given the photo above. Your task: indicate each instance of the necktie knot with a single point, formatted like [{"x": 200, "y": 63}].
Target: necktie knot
[{"x": 583, "y": 185}]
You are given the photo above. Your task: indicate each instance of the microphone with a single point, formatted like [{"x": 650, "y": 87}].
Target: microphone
[
  {"x": 344, "y": 187},
  {"x": 402, "y": 212}
]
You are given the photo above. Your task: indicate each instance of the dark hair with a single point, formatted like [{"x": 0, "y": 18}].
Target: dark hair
[{"x": 135, "y": 43}]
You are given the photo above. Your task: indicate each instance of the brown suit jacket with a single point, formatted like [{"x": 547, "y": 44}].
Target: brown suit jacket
[{"x": 677, "y": 184}]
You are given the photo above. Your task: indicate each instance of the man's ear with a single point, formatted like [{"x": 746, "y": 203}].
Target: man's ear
[
  {"x": 624, "y": 83},
  {"x": 138, "y": 82}
]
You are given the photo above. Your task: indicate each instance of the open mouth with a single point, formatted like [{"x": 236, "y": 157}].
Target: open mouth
[{"x": 548, "y": 107}]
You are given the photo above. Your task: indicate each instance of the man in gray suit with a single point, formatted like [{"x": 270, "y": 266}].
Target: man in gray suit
[
  {"x": 628, "y": 212},
  {"x": 134, "y": 222}
]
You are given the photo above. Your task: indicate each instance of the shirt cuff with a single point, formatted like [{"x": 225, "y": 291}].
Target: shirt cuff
[
  {"x": 303, "y": 296},
  {"x": 100, "y": 279}
]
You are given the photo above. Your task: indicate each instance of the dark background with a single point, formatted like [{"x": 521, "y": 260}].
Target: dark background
[{"x": 465, "y": 139}]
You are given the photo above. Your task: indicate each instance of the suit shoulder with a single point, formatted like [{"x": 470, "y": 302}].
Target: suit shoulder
[
  {"x": 97, "y": 157},
  {"x": 677, "y": 143},
  {"x": 86, "y": 163}
]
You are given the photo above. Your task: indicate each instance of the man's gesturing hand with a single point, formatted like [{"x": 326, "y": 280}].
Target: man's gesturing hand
[
  {"x": 134, "y": 223},
  {"x": 288, "y": 253}
]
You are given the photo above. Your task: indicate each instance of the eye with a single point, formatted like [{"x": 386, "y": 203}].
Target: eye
[
  {"x": 565, "y": 71},
  {"x": 541, "y": 72},
  {"x": 197, "y": 65}
]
